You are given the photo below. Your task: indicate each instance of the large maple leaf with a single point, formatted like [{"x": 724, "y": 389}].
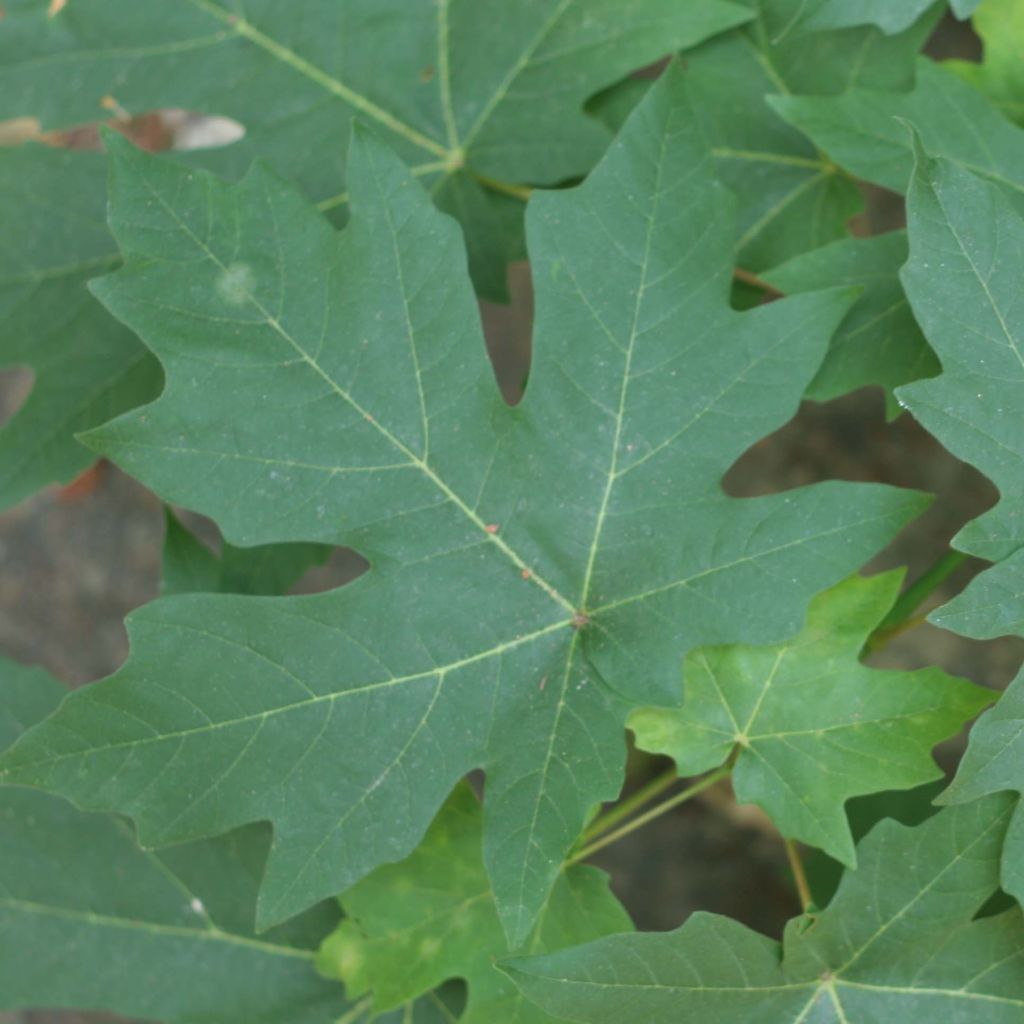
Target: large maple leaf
[{"x": 535, "y": 570}]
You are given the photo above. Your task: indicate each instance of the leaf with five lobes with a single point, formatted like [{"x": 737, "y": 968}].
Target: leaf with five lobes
[
  {"x": 791, "y": 197},
  {"x": 535, "y": 570},
  {"x": 90, "y": 921},
  {"x": 814, "y": 726},
  {"x": 410, "y": 926},
  {"x": 189, "y": 567},
  {"x": 890, "y": 16},
  {"x": 879, "y": 342},
  {"x": 862, "y": 130},
  {"x": 963, "y": 281},
  {"x": 1000, "y": 75},
  {"x": 87, "y": 366},
  {"x": 897, "y": 943},
  {"x": 293, "y": 74}
]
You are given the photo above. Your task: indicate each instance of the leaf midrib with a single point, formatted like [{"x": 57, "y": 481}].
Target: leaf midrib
[{"x": 199, "y": 934}]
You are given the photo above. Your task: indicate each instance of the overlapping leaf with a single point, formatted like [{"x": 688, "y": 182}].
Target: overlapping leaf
[
  {"x": 1000, "y": 73},
  {"x": 897, "y": 943},
  {"x": 411, "y": 926},
  {"x": 535, "y": 569},
  {"x": 791, "y": 197},
  {"x": 862, "y": 130},
  {"x": 814, "y": 726},
  {"x": 963, "y": 280},
  {"x": 879, "y": 342},
  {"x": 889, "y": 15},
  {"x": 459, "y": 110},
  {"x": 89, "y": 921},
  {"x": 87, "y": 366},
  {"x": 293, "y": 74}
]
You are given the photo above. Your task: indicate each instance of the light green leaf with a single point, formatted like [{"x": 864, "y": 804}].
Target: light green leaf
[
  {"x": 87, "y": 366},
  {"x": 814, "y": 726},
  {"x": 879, "y": 342},
  {"x": 791, "y": 198},
  {"x": 89, "y": 921},
  {"x": 293, "y": 74},
  {"x": 189, "y": 567},
  {"x": 410, "y": 926},
  {"x": 522, "y": 594},
  {"x": 897, "y": 943},
  {"x": 862, "y": 130},
  {"x": 1000, "y": 75}
]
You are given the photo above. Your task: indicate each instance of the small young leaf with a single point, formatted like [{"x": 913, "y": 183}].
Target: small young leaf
[
  {"x": 410, "y": 926},
  {"x": 897, "y": 943},
  {"x": 879, "y": 342},
  {"x": 522, "y": 592},
  {"x": 814, "y": 726}
]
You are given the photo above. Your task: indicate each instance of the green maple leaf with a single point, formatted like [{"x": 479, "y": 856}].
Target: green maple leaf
[
  {"x": 535, "y": 570},
  {"x": 90, "y": 921},
  {"x": 293, "y": 74},
  {"x": 410, "y": 926},
  {"x": 87, "y": 366},
  {"x": 791, "y": 197},
  {"x": 898, "y": 942},
  {"x": 1000, "y": 74},
  {"x": 862, "y": 129},
  {"x": 189, "y": 567},
  {"x": 814, "y": 726},
  {"x": 963, "y": 281},
  {"x": 879, "y": 342}
]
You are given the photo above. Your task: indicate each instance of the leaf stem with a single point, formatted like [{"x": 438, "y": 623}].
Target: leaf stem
[
  {"x": 747, "y": 277},
  {"x": 655, "y": 812},
  {"x": 522, "y": 192},
  {"x": 603, "y": 822},
  {"x": 901, "y": 616},
  {"x": 796, "y": 865}
]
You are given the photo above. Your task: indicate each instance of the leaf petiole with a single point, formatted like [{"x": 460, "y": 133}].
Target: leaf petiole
[
  {"x": 655, "y": 812},
  {"x": 901, "y": 616}
]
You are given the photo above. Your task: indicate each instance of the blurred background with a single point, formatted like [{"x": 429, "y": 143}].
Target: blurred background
[{"x": 76, "y": 560}]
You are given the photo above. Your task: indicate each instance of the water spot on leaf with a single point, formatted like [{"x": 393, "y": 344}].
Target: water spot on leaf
[{"x": 235, "y": 283}]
